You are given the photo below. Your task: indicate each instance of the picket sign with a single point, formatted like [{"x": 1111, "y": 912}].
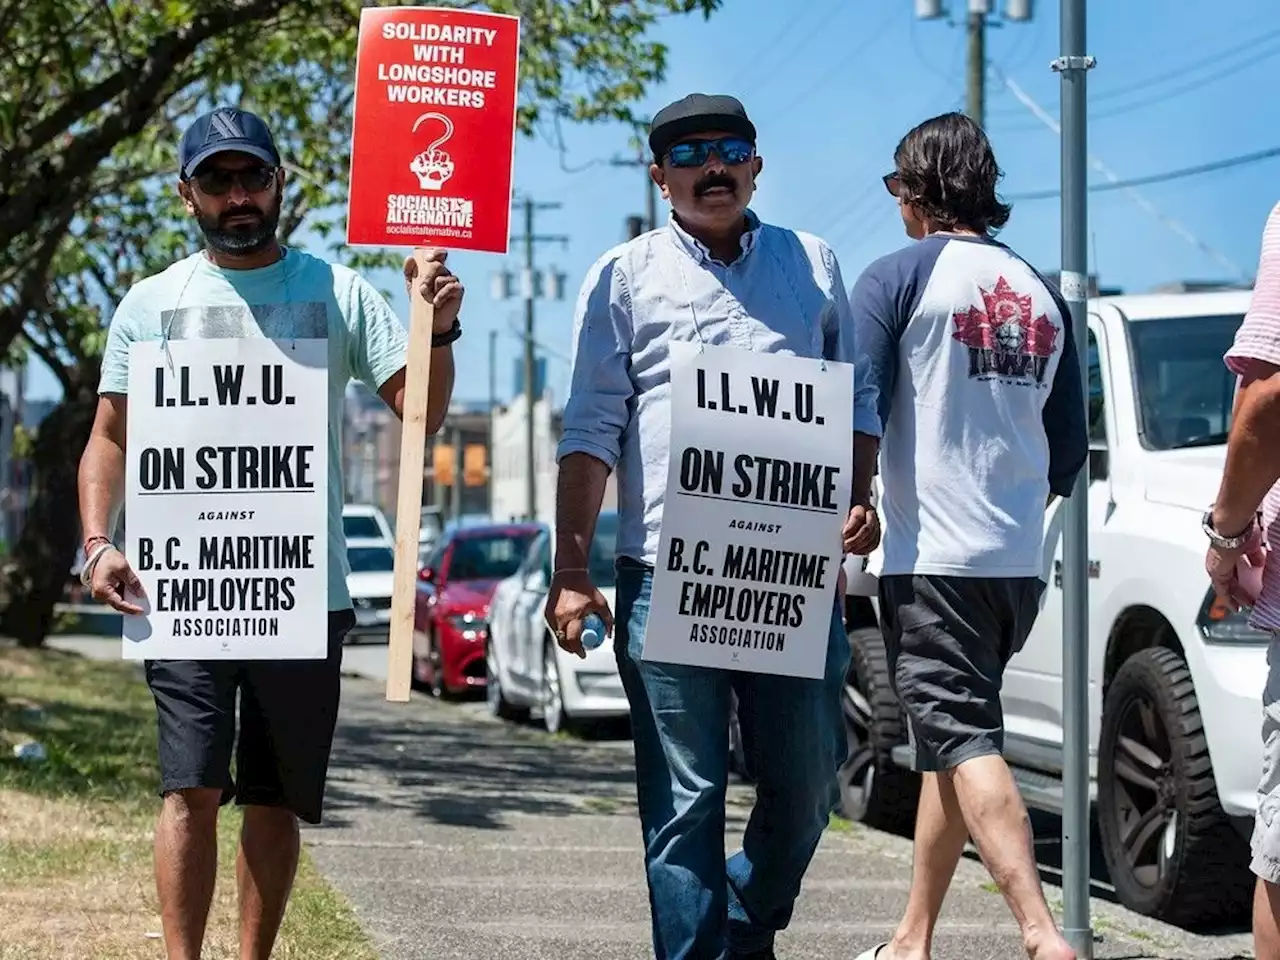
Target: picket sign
[
  {"x": 758, "y": 487},
  {"x": 226, "y": 499},
  {"x": 432, "y": 164}
]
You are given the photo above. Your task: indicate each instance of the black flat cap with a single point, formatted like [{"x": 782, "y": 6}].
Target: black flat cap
[{"x": 698, "y": 113}]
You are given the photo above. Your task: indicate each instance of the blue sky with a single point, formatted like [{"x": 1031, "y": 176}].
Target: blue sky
[{"x": 833, "y": 84}]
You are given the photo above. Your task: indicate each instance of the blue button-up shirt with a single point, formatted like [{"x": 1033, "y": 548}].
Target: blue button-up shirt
[{"x": 783, "y": 294}]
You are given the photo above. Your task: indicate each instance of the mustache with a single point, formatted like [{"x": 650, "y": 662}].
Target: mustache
[
  {"x": 713, "y": 180},
  {"x": 246, "y": 211}
]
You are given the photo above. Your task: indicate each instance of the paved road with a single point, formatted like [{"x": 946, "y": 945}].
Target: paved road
[{"x": 458, "y": 837}]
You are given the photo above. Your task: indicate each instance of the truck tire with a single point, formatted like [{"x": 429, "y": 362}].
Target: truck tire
[
  {"x": 1170, "y": 849},
  {"x": 873, "y": 789}
]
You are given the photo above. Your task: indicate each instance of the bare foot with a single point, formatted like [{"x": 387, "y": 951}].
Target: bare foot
[
  {"x": 1051, "y": 947},
  {"x": 896, "y": 951}
]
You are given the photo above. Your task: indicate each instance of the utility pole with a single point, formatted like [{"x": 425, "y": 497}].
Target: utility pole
[
  {"x": 977, "y": 20},
  {"x": 455, "y": 491},
  {"x": 1073, "y": 69},
  {"x": 976, "y": 84},
  {"x": 493, "y": 405},
  {"x": 643, "y": 161},
  {"x": 532, "y": 287}
]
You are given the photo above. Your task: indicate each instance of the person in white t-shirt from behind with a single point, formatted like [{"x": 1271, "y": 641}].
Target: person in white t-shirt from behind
[{"x": 981, "y": 400}]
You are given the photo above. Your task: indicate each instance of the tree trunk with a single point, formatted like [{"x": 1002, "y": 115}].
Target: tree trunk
[{"x": 34, "y": 576}]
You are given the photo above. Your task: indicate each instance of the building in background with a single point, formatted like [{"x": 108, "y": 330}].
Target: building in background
[
  {"x": 511, "y": 458},
  {"x": 475, "y": 466}
]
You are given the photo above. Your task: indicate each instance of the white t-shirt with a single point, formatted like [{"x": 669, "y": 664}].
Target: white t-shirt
[{"x": 978, "y": 387}]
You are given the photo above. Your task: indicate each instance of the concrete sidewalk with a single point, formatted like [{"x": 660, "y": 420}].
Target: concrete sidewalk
[{"x": 458, "y": 837}]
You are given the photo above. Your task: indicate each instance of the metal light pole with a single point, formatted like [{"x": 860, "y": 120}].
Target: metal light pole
[
  {"x": 1073, "y": 67},
  {"x": 976, "y": 22}
]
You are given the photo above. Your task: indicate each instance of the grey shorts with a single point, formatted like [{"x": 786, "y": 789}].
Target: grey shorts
[
  {"x": 1265, "y": 844},
  {"x": 948, "y": 641}
]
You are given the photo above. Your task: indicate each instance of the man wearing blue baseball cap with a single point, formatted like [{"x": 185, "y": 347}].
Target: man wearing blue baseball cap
[{"x": 246, "y": 284}]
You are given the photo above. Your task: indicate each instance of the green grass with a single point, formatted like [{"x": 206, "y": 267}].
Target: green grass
[
  {"x": 838, "y": 824},
  {"x": 76, "y": 829}
]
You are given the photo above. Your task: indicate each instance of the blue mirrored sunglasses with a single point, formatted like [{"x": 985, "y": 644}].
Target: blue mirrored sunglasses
[{"x": 694, "y": 153}]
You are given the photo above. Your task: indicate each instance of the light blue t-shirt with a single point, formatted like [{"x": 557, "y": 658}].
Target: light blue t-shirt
[{"x": 298, "y": 296}]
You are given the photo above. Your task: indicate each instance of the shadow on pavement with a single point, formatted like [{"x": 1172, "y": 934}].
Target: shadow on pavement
[{"x": 452, "y": 764}]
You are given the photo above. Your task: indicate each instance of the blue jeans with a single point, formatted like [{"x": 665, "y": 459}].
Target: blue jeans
[{"x": 793, "y": 735}]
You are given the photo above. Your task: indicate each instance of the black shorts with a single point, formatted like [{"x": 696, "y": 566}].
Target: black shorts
[
  {"x": 948, "y": 641},
  {"x": 288, "y": 711}
]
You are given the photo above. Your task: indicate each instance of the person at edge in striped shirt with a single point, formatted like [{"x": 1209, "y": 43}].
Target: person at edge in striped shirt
[{"x": 1240, "y": 524}]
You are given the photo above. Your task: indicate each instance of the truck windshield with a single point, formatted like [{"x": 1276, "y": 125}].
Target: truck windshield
[{"x": 1185, "y": 391}]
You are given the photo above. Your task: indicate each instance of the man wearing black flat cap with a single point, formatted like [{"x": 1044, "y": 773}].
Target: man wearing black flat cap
[{"x": 713, "y": 274}]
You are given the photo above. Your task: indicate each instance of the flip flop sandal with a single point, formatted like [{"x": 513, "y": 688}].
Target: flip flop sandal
[{"x": 873, "y": 953}]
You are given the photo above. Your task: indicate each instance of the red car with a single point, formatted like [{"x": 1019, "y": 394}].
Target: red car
[{"x": 451, "y": 608}]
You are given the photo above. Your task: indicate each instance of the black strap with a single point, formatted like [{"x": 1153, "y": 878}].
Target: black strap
[{"x": 446, "y": 338}]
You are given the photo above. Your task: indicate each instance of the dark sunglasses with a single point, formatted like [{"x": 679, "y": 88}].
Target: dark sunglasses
[
  {"x": 891, "y": 182},
  {"x": 217, "y": 182},
  {"x": 694, "y": 153}
]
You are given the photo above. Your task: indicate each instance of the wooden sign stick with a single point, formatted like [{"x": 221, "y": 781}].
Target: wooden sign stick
[{"x": 413, "y": 447}]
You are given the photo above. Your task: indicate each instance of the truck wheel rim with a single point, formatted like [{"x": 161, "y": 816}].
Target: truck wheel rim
[{"x": 1145, "y": 793}]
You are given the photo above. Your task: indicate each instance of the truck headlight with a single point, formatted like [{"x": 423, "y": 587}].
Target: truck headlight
[{"x": 1219, "y": 624}]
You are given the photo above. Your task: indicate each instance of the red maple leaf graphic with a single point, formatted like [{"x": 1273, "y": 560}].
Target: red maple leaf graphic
[
  {"x": 1041, "y": 336},
  {"x": 1005, "y": 306},
  {"x": 1005, "y": 323},
  {"x": 972, "y": 329}
]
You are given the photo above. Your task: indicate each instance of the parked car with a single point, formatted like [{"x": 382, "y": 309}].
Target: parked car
[
  {"x": 372, "y": 565},
  {"x": 1175, "y": 679},
  {"x": 430, "y": 527},
  {"x": 526, "y": 669},
  {"x": 364, "y": 521},
  {"x": 451, "y": 604}
]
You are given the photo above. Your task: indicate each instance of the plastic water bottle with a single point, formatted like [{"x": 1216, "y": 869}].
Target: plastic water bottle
[{"x": 593, "y": 631}]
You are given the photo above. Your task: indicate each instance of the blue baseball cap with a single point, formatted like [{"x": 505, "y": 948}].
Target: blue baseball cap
[{"x": 223, "y": 130}]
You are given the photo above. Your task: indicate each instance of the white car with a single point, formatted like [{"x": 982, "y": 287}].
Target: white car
[
  {"x": 372, "y": 563},
  {"x": 364, "y": 521},
  {"x": 526, "y": 669},
  {"x": 1175, "y": 680}
]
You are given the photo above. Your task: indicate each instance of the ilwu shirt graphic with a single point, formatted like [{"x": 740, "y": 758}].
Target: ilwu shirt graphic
[
  {"x": 275, "y": 321},
  {"x": 1004, "y": 338}
]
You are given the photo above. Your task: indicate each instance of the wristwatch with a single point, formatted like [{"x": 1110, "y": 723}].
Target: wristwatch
[
  {"x": 446, "y": 338},
  {"x": 1228, "y": 543}
]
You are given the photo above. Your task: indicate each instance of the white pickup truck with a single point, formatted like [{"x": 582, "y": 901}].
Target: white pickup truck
[{"x": 1175, "y": 681}]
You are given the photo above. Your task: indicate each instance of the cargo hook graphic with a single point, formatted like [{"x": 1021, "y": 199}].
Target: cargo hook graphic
[{"x": 433, "y": 166}]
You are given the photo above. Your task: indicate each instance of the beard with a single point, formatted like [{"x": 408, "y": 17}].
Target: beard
[{"x": 241, "y": 237}]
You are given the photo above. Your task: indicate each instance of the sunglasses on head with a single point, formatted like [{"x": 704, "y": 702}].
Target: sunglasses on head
[
  {"x": 217, "y": 182},
  {"x": 694, "y": 153}
]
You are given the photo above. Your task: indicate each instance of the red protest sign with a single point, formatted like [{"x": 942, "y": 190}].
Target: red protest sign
[{"x": 433, "y": 140}]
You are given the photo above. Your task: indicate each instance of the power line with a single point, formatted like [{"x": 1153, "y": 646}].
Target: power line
[
  {"x": 1043, "y": 116},
  {"x": 1181, "y": 72},
  {"x": 1240, "y": 161}
]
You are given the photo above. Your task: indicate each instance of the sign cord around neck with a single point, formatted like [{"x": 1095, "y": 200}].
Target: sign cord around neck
[
  {"x": 688, "y": 295},
  {"x": 167, "y": 326}
]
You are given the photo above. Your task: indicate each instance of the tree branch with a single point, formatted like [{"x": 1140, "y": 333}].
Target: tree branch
[
  {"x": 142, "y": 86},
  {"x": 51, "y": 360}
]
